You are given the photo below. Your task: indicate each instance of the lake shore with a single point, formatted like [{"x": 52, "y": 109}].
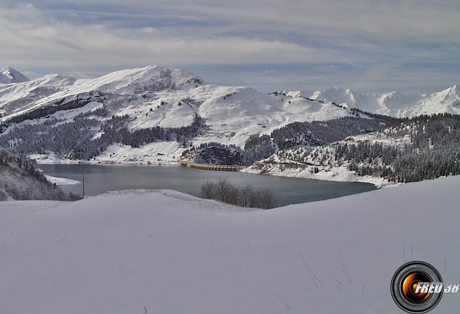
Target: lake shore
[{"x": 336, "y": 174}]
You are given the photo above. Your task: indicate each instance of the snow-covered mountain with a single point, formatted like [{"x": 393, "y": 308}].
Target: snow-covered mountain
[
  {"x": 232, "y": 113},
  {"x": 9, "y": 75},
  {"x": 154, "y": 96},
  {"x": 158, "y": 97},
  {"x": 394, "y": 104}
]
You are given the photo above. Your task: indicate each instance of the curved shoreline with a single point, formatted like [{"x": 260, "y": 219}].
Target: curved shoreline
[{"x": 338, "y": 174}]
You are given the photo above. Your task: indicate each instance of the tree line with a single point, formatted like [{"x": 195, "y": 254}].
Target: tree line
[
  {"x": 314, "y": 133},
  {"x": 76, "y": 139},
  {"x": 420, "y": 148}
]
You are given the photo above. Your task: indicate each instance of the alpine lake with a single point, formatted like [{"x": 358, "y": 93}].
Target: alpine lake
[{"x": 100, "y": 179}]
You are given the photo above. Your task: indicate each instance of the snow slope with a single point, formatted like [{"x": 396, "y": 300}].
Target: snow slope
[
  {"x": 167, "y": 252},
  {"x": 303, "y": 162},
  {"x": 276, "y": 166},
  {"x": 175, "y": 85},
  {"x": 170, "y": 98},
  {"x": 21, "y": 97},
  {"x": 17, "y": 183},
  {"x": 155, "y": 96}
]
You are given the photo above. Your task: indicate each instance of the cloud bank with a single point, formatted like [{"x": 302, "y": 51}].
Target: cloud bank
[{"x": 370, "y": 46}]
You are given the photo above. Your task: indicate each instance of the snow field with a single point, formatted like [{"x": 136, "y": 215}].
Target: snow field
[{"x": 174, "y": 253}]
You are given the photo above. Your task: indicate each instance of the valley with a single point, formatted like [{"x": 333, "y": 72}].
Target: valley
[{"x": 157, "y": 115}]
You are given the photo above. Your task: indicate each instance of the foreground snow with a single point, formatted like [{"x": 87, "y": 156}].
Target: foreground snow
[{"x": 167, "y": 252}]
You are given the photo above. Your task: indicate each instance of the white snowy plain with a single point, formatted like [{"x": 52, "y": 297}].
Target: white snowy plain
[{"x": 167, "y": 252}]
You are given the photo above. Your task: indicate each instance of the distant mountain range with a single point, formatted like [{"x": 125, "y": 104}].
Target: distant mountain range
[
  {"x": 393, "y": 104},
  {"x": 174, "y": 100},
  {"x": 156, "y": 96}
]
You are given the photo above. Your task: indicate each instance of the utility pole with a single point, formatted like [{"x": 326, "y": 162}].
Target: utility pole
[{"x": 83, "y": 181}]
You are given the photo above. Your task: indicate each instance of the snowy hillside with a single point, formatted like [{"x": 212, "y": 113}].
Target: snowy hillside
[
  {"x": 119, "y": 117},
  {"x": 167, "y": 252},
  {"x": 19, "y": 185},
  {"x": 409, "y": 150},
  {"x": 394, "y": 104},
  {"x": 153, "y": 97},
  {"x": 228, "y": 110},
  {"x": 20, "y": 179}
]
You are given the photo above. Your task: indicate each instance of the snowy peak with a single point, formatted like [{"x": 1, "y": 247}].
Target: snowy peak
[
  {"x": 9, "y": 75},
  {"x": 151, "y": 97},
  {"x": 135, "y": 81},
  {"x": 16, "y": 98},
  {"x": 341, "y": 96},
  {"x": 455, "y": 90},
  {"x": 133, "y": 90},
  {"x": 142, "y": 84},
  {"x": 451, "y": 93}
]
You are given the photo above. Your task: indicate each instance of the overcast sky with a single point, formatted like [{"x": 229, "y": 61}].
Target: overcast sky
[{"x": 369, "y": 46}]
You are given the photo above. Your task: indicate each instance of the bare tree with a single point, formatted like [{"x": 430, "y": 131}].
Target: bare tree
[
  {"x": 245, "y": 196},
  {"x": 208, "y": 190},
  {"x": 224, "y": 191},
  {"x": 267, "y": 199}
]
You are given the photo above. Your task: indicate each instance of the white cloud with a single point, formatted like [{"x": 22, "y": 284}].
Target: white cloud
[
  {"x": 50, "y": 41},
  {"x": 94, "y": 37}
]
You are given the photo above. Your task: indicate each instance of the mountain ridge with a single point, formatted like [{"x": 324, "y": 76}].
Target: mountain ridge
[
  {"x": 395, "y": 104},
  {"x": 240, "y": 111},
  {"x": 21, "y": 94},
  {"x": 160, "y": 105}
]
